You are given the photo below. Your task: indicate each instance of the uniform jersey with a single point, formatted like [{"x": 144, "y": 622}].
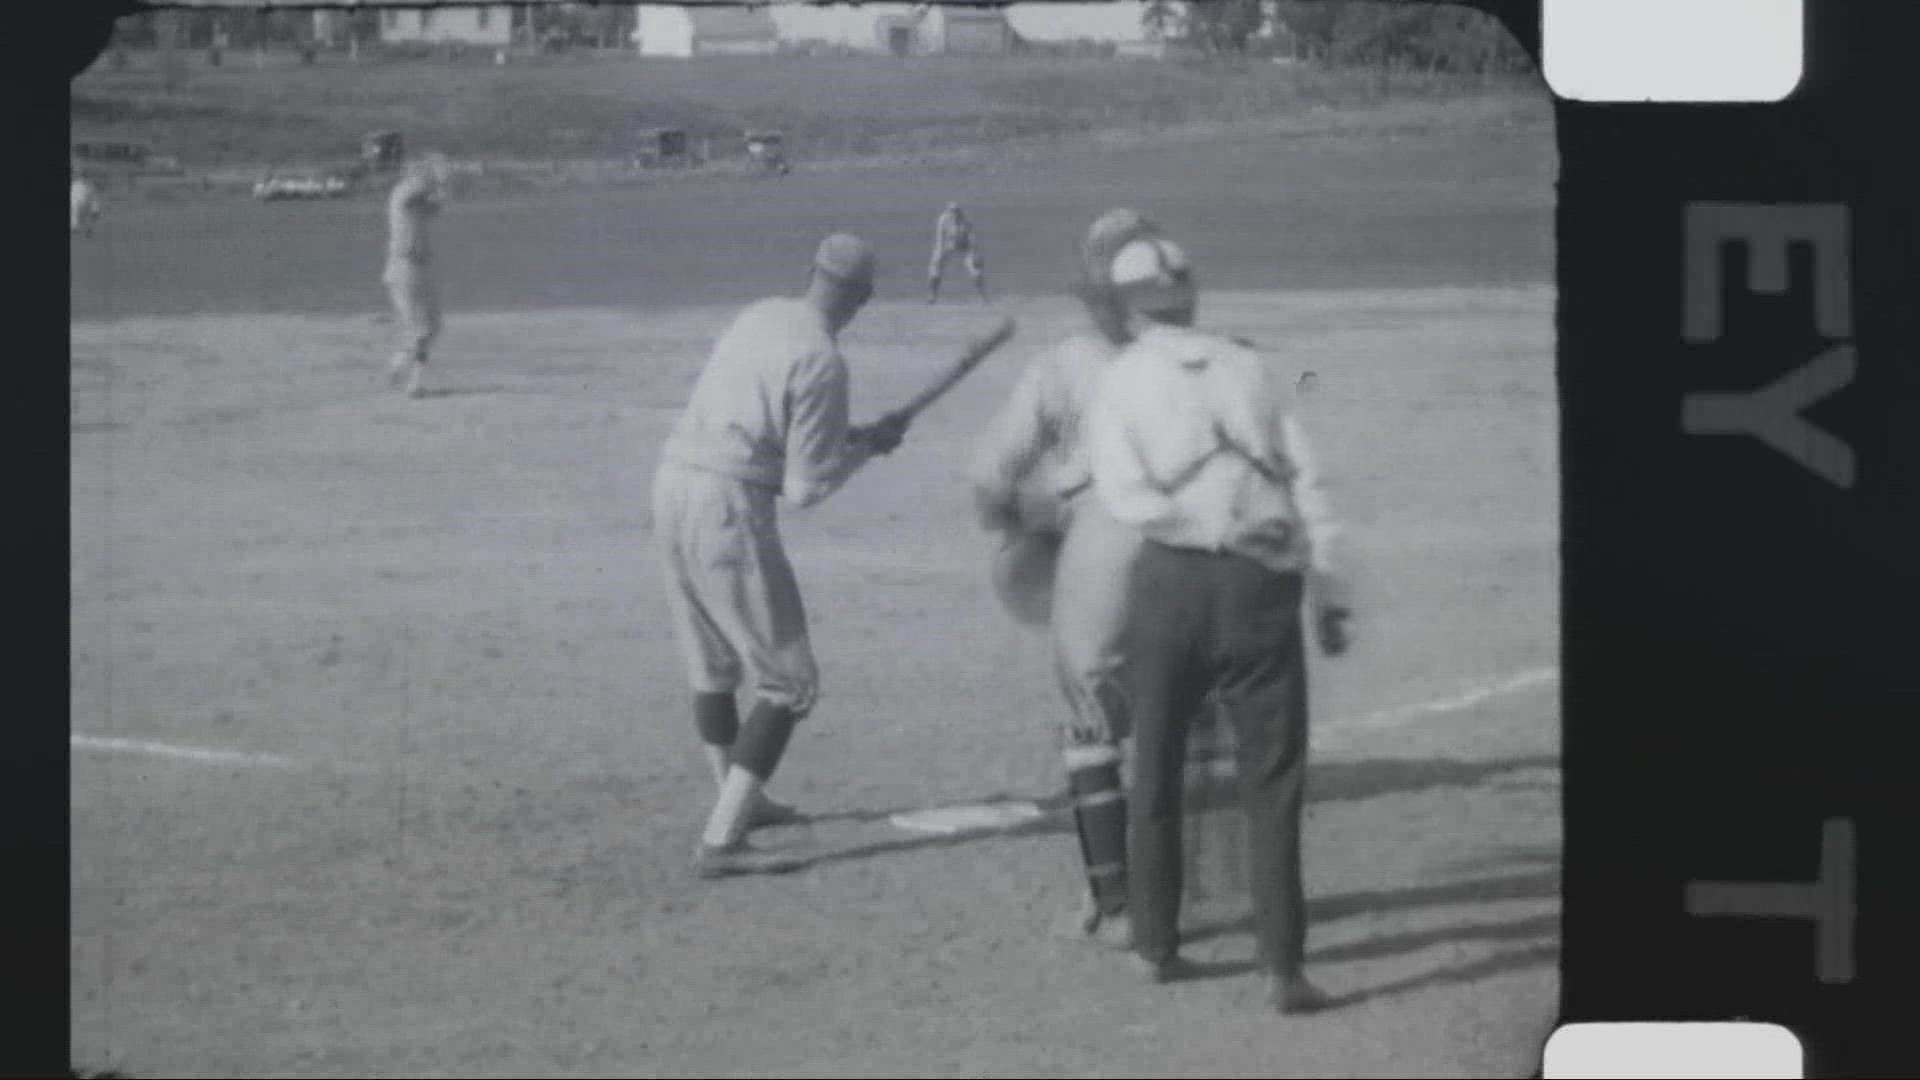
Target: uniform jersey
[
  {"x": 952, "y": 233},
  {"x": 767, "y": 418},
  {"x": 412, "y": 202},
  {"x": 83, "y": 203},
  {"x": 771, "y": 406},
  {"x": 1033, "y": 453}
]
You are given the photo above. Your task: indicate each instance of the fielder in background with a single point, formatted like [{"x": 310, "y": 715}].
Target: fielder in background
[
  {"x": 767, "y": 419},
  {"x": 1060, "y": 565},
  {"x": 953, "y": 236},
  {"x": 83, "y": 206},
  {"x": 415, "y": 200},
  {"x": 1192, "y": 445}
]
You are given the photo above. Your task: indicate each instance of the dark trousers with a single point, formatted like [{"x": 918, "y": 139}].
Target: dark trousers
[{"x": 1214, "y": 631}]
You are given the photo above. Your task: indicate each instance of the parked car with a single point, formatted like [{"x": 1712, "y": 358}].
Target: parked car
[{"x": 767, "y": 149}]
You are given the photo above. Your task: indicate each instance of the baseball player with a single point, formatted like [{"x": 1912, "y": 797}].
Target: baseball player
[
  {"x": 1031, "y": 482},
  {"x": 83, "y": 206},
  {"x": 953, "y": 235},
  {"x": 408, "y": 276},
  {"x": 767, "y": 419},
  {"x": 1191, "y": 444}
]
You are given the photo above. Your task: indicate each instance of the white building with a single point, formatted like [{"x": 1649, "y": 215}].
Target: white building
[
  {"x": 1122, "y": 22},
  {"x": 480, "y": 24},
  {"x": 673, "y": 30},
  {"x": 900, "y": 29}
]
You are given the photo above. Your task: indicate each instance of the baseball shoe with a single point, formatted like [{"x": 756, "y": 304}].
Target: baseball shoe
[
  {"x": 1163, "y": 971},
  {"x": 769, "y": 814},
  {"x": 397, "y": 369},
  {"x": 1293, "y": 995},
  {"x": 415, "y": 382},
  {"x": 1088, "y": 924},
  {"x": 742, "y": 858}
]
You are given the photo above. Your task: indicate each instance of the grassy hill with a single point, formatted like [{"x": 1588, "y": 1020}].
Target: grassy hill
[{"x": 583, "y": 106}]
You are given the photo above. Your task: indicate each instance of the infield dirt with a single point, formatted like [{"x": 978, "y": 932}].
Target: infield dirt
[{"x": 468, "y": 854}]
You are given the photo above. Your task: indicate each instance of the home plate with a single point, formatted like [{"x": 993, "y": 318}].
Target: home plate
[{"x": 975, "y": 817}]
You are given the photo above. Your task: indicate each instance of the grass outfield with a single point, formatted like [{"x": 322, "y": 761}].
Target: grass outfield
[
  {"x": 586, "y": 107},
  {"x": 448, "y": 792}
]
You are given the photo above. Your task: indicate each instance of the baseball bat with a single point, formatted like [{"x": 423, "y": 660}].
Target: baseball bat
[{"x": 976, "y": 351}]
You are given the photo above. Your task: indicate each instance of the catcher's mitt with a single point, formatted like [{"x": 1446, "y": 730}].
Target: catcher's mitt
[{"x": 1022, "y": 573}]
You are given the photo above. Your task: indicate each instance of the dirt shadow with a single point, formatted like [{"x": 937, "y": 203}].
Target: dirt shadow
[
  {"x": 1352, "y": 781},
  {"x": 1334, "y": 781},
  {"x": 1533, "y": 886},
  {"x": 441, "y": 393},
  {"x": 1474, "y": 971},
  {"x": 1524, "y": 930},
  {"x": 1537, "y": 936}
]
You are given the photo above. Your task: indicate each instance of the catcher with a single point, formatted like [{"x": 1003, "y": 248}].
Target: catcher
[{"x": 1031, "y": 485}]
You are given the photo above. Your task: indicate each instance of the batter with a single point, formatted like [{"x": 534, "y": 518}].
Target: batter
[{"x": 767, "y": 420}]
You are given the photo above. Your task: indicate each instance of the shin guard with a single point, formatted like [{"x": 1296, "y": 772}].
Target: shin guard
[{"x": 1100, "y": 817}]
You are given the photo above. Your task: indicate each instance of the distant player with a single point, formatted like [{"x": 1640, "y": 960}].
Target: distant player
[
  {"x": 83, "y": 206},
  {"x": 409, "y": 278},
  {"x": 1032, "y": 486},
  {"x": 953, "y": 236},
  {"x": 767, "y": 419}
]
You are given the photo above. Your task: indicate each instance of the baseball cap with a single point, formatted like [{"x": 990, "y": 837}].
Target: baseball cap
[{"x": 845, "y": 257}]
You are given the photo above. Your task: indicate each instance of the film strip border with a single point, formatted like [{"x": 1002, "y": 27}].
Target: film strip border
[
  {"x": 1737, "y": 357},
  {"x": 1736, "y": 364}
]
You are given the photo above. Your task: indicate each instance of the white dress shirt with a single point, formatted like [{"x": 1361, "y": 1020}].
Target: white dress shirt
[{"x": 1191, "y": 442}]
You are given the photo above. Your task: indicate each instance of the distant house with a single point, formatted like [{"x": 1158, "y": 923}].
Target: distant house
[
  {"x": 490, "y": 24},
  {"x": 868, "y": 28},
  {"x": 899, "y": 29},
  {"x": 947, "y": 30},
  {"x": 1121, "y": 23},
  {"x": 672, "y": 30}
]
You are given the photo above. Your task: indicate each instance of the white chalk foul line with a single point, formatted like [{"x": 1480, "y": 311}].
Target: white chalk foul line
[
  {"x": 1375, "y": 721},
  {"x": 1403, "y": 714},
  {"x": 203, "y": 755}
]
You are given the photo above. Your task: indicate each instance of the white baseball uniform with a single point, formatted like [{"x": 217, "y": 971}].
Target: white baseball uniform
[
  {"x": 83, "y": 206},
  {"x": 409, "y": 268},
  {"x": 767, "y": 419},
  {"x": 1034, "y": 456},
  {"x": 953, "y": 235}
]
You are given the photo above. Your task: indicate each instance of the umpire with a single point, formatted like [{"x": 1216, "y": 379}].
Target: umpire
[{"x": 1192, "y": 445}]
